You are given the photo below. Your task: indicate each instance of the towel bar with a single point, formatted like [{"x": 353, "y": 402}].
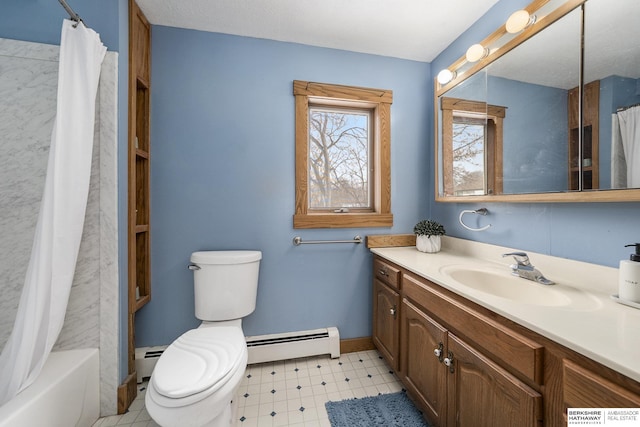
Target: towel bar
[{"x": 298, "y": 241}]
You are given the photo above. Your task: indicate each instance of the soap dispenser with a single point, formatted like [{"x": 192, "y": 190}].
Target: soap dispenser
[{"x": 629, "y": 281}]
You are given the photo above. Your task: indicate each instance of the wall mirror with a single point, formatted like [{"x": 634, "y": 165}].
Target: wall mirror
[{"x": 538, "y": 116}]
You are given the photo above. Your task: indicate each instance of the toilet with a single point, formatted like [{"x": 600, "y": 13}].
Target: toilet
[{"x": 196, "y": 378}]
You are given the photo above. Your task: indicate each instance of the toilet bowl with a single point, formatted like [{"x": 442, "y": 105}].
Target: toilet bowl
[
  {"x": 196, "y": 377},
  {"x": 195, "y": 380}
]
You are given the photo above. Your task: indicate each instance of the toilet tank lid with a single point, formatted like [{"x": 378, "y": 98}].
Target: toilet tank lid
[{"x": 225, "y": 257}]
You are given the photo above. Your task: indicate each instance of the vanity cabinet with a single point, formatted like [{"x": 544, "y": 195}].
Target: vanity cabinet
[
  {"x": 454, "y": 382},
  {"x": 423, "y": 373},
  {"x": 386, "y": 304},
  {"x": 465, "y": 365},
  {"x": 480, "y": 393},
  {"x": 584, "y": 388}
]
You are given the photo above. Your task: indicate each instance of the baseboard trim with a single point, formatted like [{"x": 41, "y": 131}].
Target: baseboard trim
[
  {"x": 352, "y": 345},
  {"x": 127, "y": 392}
]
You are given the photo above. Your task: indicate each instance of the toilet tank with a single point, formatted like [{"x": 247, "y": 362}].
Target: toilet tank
[{"x": 225, "y": 283}]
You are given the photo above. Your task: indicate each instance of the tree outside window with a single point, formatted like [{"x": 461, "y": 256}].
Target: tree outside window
[
  {"x": 469, "y": 156},
  {"x": 472, "y": 133},
  {"x": 339, "y": 159}
]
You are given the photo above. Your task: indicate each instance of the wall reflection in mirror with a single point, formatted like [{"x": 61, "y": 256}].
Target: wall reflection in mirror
[
  {"x": 612, "y": 61},
  {"x": 515, "y": 126}
]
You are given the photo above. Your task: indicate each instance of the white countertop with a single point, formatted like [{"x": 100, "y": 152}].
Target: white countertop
[{"x": 596, "y": 326}]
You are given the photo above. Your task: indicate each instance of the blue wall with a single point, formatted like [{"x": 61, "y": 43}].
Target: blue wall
[
  {"x": 40, "y": 21},
  {"x": 535, "y": 160},
  {"x": 223, "y": 171},
  {"x": 588, "y": 232}
]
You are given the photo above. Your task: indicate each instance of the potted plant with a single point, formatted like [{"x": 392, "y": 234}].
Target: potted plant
[{"x": 428, "y": 234}]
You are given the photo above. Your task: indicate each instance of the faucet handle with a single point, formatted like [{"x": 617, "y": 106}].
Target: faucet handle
[{"x": 522, "y": 259}]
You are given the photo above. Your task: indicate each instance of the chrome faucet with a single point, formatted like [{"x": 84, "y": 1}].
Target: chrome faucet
[{"x": 523, "y": 268}]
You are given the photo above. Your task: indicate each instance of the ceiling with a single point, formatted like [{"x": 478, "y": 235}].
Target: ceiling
[{"x": 408, "y": 29}]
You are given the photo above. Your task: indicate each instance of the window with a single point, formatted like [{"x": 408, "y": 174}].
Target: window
[
  {"x": 343, "y": 137},
  {"x": 472, "y": 145},
  {"x": 340, "y": 145}
]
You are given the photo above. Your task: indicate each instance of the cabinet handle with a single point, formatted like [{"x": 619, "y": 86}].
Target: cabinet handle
[
  {"x": 439, "y": 352},
  {"x": 448, "y": 361},
  {"x": 393, "y": 311},
  {"x": 383, "y": 272}
]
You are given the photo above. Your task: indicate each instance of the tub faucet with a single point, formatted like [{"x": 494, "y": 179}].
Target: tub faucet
[{"x": 523, "y": 268}]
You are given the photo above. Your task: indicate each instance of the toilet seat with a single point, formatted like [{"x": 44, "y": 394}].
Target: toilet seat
[{"x": 198, "y": 363}]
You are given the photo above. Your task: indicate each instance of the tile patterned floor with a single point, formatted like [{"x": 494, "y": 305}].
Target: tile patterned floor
[{"x": 291, "y": 392}]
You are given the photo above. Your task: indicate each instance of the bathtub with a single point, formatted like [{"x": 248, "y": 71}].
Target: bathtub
[{"x": 67, "y": 393}]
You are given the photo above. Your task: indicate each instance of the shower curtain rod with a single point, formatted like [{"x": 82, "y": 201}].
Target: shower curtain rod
[
  {"x": 74, "y": 16},
  {"x": 627, "y": 107}
]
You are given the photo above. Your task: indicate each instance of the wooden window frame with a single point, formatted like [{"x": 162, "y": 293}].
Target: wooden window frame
[
  {"x": 379, "y": 101},
  {"x": 495, "y": 117}
]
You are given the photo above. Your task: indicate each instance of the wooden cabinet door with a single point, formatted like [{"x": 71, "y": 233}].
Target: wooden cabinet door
[
  {"x": 583, "y": 388},
  {"x": 482, "y": 394},
  {"x": 422, "y": 371},
  {"x": 386, "y": 304}
]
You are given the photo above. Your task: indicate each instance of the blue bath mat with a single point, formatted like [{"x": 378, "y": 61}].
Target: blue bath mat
[{"x": 383, "y": 410}]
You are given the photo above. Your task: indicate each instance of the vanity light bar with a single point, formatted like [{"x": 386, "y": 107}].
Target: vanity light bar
[{"x": 517, "y": 22}]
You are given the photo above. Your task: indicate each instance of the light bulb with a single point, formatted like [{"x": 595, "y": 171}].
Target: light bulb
[
  {"x": 519, "y": 20},
  {"x": 476, "y": 52},
  {"x": 445, "y": 76}
]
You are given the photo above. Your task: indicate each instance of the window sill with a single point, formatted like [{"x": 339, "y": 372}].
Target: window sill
[{"x": 343, "y": 220}]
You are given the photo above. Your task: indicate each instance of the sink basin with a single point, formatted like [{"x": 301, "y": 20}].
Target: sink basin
[{"x": 502, "y": 284}]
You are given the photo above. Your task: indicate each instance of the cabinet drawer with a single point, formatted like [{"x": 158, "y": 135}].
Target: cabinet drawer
[
  {"x": 386, "y": 273},
  {"x": 583, "y": 388},
  {"x": 516, "y": 352}
]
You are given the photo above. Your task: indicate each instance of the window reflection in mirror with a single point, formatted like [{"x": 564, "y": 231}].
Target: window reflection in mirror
[
  {"x": 466, "y": 99},
  {"x": 469, "y": 154},
  {"x": 472, "y": 135}
]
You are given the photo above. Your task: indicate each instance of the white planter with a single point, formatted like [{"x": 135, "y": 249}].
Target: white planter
[{"x": 430, "y": 244}]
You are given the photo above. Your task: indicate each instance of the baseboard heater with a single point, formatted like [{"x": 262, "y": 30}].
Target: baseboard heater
[
  {"x": 262, "y": 348},
  {"x": 291, "y": 345},
  {"x": 146, "y": 359}
]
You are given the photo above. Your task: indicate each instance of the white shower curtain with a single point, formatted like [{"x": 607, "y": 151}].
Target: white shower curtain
[
  {"x": 630, "y": 134},
  {"x": 45, "y": 295},
  {"x": 618, "y": 162}
]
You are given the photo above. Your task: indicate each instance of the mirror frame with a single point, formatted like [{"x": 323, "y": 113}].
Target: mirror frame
[{"x": 569, "y": 196}]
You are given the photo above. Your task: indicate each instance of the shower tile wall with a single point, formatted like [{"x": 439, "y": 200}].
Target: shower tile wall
[
  {"x": 28, "y": 84},
  {"x": 109, "y": 277}
]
